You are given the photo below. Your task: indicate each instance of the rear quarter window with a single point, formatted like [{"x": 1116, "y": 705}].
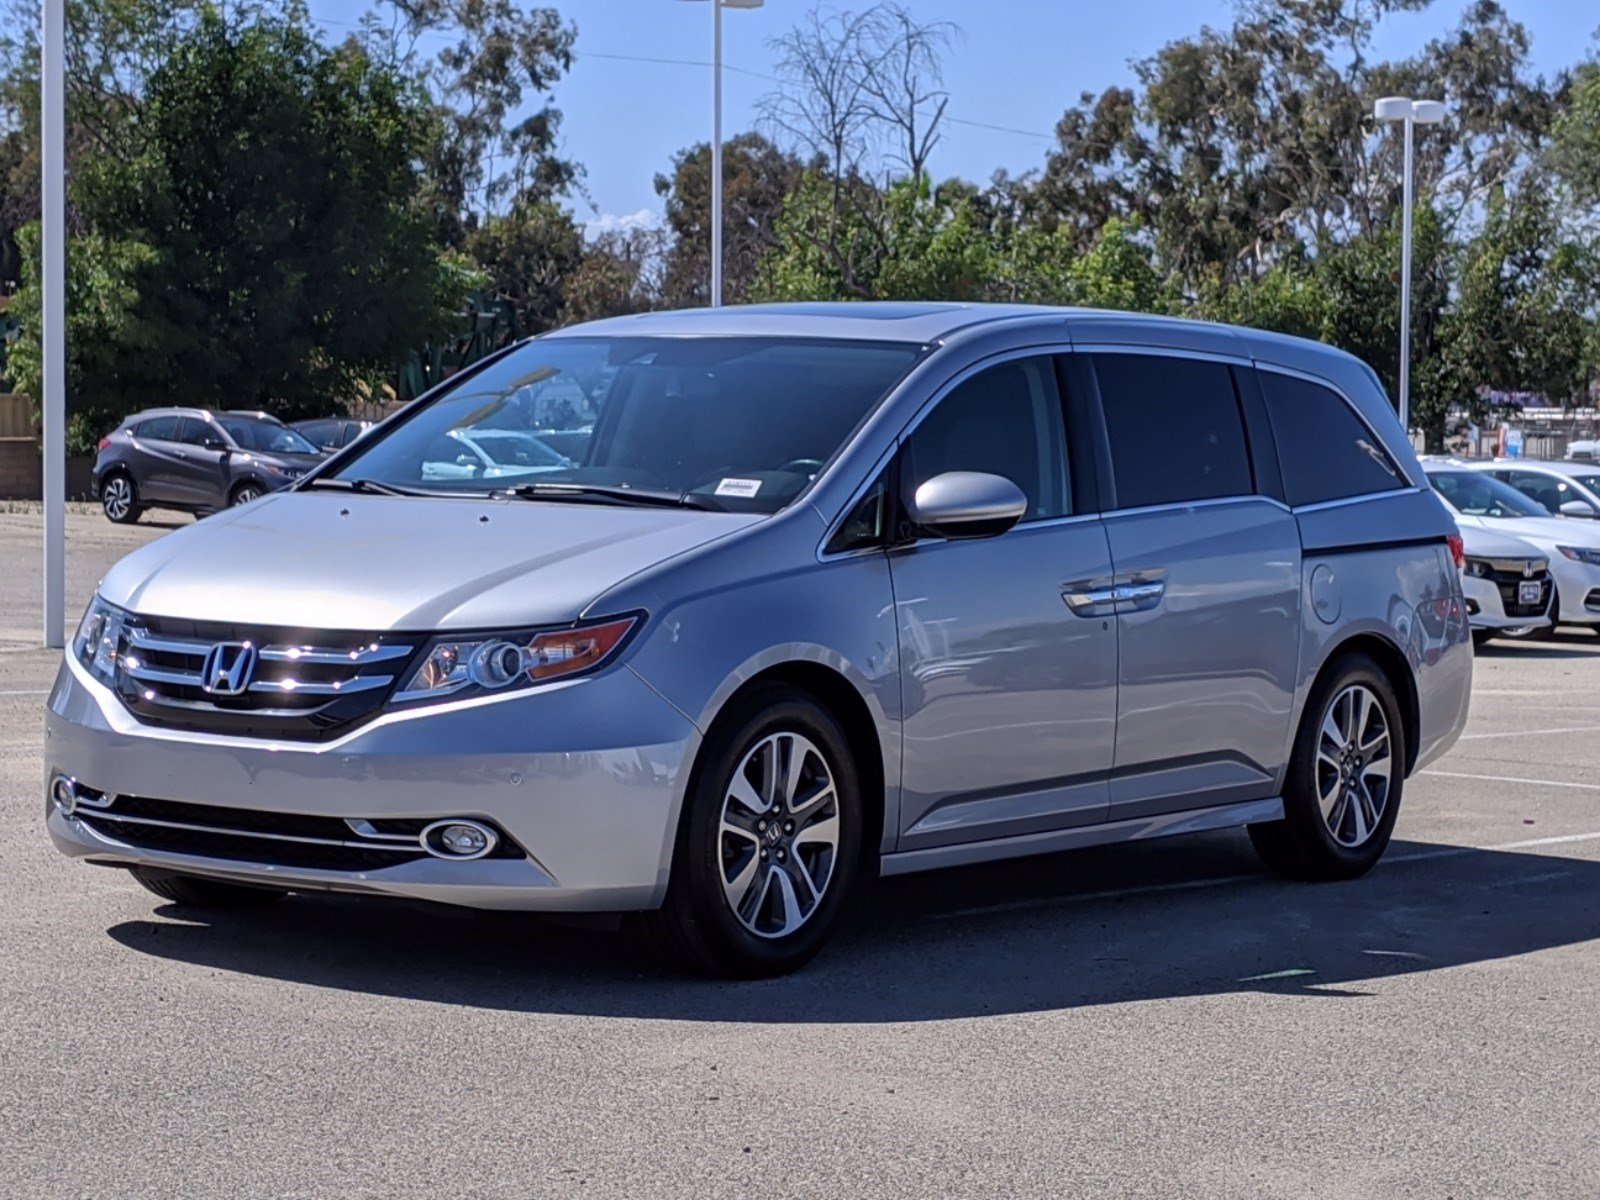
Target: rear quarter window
[{"x": 1325, "y": 450}]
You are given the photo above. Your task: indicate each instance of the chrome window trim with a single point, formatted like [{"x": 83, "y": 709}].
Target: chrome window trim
[
  {"x": 1209, "y": 502},
  {"x": 1364, "y": 498},
  {"x": 1355, "y": 409}
]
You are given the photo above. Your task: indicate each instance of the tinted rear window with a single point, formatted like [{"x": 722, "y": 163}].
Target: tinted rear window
[
  {"x": 1175, "y": 430},
  {"x": 1326, "y": 451}
]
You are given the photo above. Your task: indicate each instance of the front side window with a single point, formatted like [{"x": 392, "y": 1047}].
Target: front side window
[
  {"x": 1476, "y": 494},
  {"x": 1005, "y": 420},
  {"x": 267, "y": 437},
  {"x": 193, "y": 431},
  {"x": 1175, "y": 430},
  {"x": 1325, "y": 450},
  {"x": 735, "y": 423},
  {"x": 1547, "y": 490}
]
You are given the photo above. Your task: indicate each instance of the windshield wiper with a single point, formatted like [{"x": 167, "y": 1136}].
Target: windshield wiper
[
  {"x": 369, "y": 487},
  {"x": 602, "y": 494}
]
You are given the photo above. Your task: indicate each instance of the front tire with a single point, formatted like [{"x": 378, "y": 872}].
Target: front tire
[
  {"x": 245, "y": 493},
  {"x": 768, "y": 845},
  {"x": 192, "y": 891},
  {"x": 1342, "y": 793}
]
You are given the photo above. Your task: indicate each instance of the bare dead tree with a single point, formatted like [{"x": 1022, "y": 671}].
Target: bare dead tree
[
  {"x": 820, "y": 103},
  {"x": 902, "y": 81},
  {"x": 854, "y": 85}
]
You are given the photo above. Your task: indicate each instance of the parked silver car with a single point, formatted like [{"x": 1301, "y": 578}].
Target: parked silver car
[{"x": 832, "y": 589}]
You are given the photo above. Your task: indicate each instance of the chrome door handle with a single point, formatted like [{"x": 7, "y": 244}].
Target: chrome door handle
[
  {"x": 1140, "y": 595},
  {"x": 1088, "y": 599}
]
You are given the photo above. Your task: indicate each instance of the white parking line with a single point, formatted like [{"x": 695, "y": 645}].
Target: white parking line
[
  {"x": 1586, "y": 787},
  {"x": 1190, "y": 885},
  {"x": 29, "y": 692},
  {"x": 1470, "y": 737}
]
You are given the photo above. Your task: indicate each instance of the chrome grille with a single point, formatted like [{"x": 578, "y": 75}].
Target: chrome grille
[{"x": 296, "y": 683}]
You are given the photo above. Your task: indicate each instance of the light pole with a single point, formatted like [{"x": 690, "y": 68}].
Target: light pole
[
  {"x": 716, "y": 140},
  {"x": 53, "y": 275},
  {"x": 1410, "y": 113}
]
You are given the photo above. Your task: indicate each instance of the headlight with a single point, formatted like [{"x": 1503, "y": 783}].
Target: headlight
[
  {"x": 1581, "y": 554},
  {"x": 1477, "y": 568},
  {"x": 497, "y": 662},
  {"x": 98, "y": 638}
]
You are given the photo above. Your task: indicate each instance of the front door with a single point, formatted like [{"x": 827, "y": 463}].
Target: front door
[
  {"x": 1210, "y": 574},
  {"x": 1008, "y": 646},
  {"x": 155, "y": 459},
  {"x": 200, "y": 476}
]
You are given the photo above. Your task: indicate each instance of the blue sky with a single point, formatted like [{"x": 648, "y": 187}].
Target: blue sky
[{"x": 1018, "y": 64}]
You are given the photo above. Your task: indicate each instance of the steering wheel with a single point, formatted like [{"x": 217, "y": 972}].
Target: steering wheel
[{"x": 802, "y": 465}]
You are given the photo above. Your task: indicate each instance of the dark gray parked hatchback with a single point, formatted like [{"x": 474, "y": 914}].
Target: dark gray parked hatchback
[{"x": 194, "y": 460}]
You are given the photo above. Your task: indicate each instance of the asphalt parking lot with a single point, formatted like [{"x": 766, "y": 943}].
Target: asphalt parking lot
[{"x": 1158, "y": 1020}]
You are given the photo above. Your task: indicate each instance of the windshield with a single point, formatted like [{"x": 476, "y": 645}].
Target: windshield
[
  {"x": 742, "y": 423},
  {"x": 1592, "y": 482},
  {"x": 1475, "y": 494},
  {"x": 268, "y": 437}
]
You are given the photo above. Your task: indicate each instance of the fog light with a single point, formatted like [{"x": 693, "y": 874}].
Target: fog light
[
  {"x": 459, "y": 840},
  {"x": 65, "y": 793}
]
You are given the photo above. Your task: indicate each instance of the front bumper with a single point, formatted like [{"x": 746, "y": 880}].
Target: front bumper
[
  {"x": 585, "y": 776},
  {"x": 1487, "y": 608}
]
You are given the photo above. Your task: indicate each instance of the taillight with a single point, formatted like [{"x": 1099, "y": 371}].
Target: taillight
[
  {"x": 1458, "y": 550},
  {"x": 104, "y": 442}
]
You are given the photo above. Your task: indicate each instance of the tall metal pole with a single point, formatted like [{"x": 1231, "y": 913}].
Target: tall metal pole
[
  {"x": 53, "y": 212},
  {"x": 716, "y": 153},
  {"x": 1405, "y": 281}
]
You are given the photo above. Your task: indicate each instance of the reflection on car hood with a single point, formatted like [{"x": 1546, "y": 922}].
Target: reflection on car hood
[
  {"x": 1565, "y": 531},
  {"x": 375, "y": 563},
  {"x": 1484, "y": 542}
]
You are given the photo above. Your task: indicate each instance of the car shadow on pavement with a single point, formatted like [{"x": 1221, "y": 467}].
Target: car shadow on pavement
[{"x": 1189, "y": 917}]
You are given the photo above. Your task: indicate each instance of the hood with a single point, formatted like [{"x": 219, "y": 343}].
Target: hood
[
  {"x": 1484, "y": 542},
  {"x": 320, "y": 560},
  {"x": 1564, "y": 531}
]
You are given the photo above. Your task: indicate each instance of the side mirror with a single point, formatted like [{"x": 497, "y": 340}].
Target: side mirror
[
  {"x": 966, "y": 504},
  {"x": 1578, "y": 508}
]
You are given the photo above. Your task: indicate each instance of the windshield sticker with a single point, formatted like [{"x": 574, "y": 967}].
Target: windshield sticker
[{"x": 739, "y": 487}]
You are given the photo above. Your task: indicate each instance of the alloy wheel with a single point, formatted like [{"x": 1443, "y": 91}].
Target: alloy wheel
[
  {"x": 116, "y": 497},
  {"x": 246, "y": 494},
  {"x": 1354, "y": 765},
  {"x": 778, "y": 837}
]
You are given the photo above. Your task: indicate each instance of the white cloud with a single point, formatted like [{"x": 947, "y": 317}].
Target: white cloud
[{"x": 645, "y": 218}]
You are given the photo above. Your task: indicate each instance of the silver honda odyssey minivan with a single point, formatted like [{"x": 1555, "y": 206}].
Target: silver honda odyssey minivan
[{"x": 815, "y": 591}]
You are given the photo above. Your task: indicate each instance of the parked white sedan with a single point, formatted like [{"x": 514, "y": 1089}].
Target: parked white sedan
[{"x": 1573, "y": 546}]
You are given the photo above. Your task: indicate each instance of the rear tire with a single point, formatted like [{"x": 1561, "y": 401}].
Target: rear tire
[
  {"x": 119, "y": 499},
  {"x": 192, "y": 891},
  {"x": 1342, "y": 793},
  {"x": 768, "y": 843}
]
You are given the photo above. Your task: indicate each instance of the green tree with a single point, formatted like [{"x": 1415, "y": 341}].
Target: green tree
[
  {"x": 284, "y": 262},
  {"x": 528, "y": 255},
  {"x": 757, "y": 179}
]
